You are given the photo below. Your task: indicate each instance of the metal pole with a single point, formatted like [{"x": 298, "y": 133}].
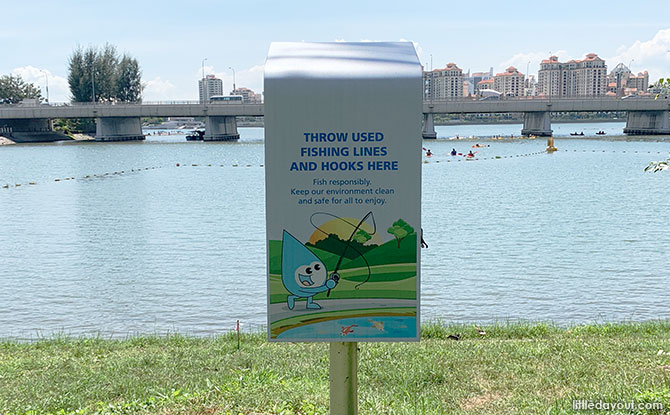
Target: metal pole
[
  {"x": 204, "y": 83},
  {"x": 93, "y": 82},
  {"x": 343, "y": 378},
  {"x": 47, "y": 79}
]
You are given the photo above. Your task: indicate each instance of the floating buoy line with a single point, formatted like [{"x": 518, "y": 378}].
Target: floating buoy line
[
  {"x": 121, "y": 172},
  {"x": 247, "y": 165},
  {"x": 510, "y": 156}
]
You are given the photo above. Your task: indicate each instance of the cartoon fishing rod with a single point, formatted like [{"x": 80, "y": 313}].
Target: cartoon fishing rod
[
  {"x": 304, "y": 275},
  {"x": 335, "y": 274}
]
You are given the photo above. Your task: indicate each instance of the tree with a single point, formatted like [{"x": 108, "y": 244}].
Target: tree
[
  {"x": 101, "y": 72},
  {"x": 106, "y": 67},
  {"x": 400, "y": 230},
  {"x": 129, "y": 80},
  {"x": 661, "y": 89},
  {"x": 362, "y": 237},
  {"x": 78, "y": 78},
  {"x": 13, "y": 89}
]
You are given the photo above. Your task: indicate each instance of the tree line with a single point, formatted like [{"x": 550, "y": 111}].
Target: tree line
[
  {"x": 102, "y": 75},
  {"x": 13, "y": 90},
  {"x": 94, "y": 74}
]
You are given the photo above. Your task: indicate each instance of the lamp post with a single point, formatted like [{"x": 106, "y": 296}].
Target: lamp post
[
  {"x": 46, "y": 75},
  {"x": 231, "y": 68},
  {"x": 204, "y": 83},
  {"x": 93, "y": 82}
]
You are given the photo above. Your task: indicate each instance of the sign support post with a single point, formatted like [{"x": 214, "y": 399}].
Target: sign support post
[
  {"x": 343, "y": 199},
  {"x": 344, "y": 378}
]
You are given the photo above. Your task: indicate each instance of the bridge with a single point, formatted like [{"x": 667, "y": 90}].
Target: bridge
[
  {"x": 122, "y": 121},
  {"x": 645, "y": 115}
]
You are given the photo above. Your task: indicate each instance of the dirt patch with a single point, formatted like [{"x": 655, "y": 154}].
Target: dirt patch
[
  {"x": 478, "y": 401},
  {"x": 82, "y": 137}
]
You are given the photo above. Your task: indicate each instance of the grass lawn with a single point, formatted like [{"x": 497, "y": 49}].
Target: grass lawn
[{"x": 511, "y": 369}]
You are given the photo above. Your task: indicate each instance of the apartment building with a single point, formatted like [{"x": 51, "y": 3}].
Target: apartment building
[
  {"x": 248, "y": 96},
  {"x": 621, "y": 81},
  {"x": 509, "y": 83},
  {"x": 209, "y": 86},
  {"x": 445, "y": 83},
  {"x": 586, "y": 77}
]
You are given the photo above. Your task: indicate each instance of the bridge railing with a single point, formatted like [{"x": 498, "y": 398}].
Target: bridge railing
[
  {"x": 89, "y": 104},
  {"x": 543, "y": 99}
]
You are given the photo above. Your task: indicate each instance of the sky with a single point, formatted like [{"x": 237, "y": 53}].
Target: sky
[{"x": 170, "y": 39}]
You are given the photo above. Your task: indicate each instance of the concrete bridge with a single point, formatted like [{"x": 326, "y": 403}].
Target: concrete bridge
[
  {"x": 118, "y": 122},
  {"x": 645, "y": 116}
]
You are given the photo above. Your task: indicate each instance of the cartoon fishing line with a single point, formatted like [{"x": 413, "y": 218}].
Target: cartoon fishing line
[{"x": 304, "y": 275}]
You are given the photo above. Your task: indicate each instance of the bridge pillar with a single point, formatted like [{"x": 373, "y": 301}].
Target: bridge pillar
[
  {"x": 647, "y": 123},
  {"x": 428, "y": 127},
  {"x": 219, "y": 128},
  {"x": 27, "y": 125},
  {"x": 537, "y": 123},
  {"x": 118, "y": 129},
  {"x": 30, "y": 130}
]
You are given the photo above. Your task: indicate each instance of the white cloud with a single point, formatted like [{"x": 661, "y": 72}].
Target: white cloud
[
  {"x": 59, "y": 91},
  {"x": 652, "y": 55},
  {"x": 158, "y": 89},
  {"x": 521, "y": 61}
]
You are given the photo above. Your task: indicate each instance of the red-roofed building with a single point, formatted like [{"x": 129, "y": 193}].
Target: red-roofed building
[
  {"x": 248, "y": 96},
  {"x": 586, "y": 77},
  {"x": 510, "y": 82},
  {"x": 623, "y": 82},
  {"x": 445, "y": 83}
]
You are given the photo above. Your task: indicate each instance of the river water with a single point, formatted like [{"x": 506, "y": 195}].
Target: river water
[{"x": 144, "y": 246}]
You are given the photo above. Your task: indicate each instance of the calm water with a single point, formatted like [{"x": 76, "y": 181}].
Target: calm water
[{"x": 577, "y": 236}]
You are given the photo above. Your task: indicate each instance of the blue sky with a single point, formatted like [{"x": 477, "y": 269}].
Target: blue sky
[{"x": 170, "y": 39}]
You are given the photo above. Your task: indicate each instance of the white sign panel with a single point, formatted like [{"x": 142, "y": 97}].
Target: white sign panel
[{"x": 343, "y": 191}]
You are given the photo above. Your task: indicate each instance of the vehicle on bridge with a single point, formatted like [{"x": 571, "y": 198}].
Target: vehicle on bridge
[{"x": 228, "y": 99}]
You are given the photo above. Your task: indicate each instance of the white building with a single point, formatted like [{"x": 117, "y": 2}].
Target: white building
[
  {"x": 530, "y": 87},
  {"x": 621, "y": 81},
  {"x": 209, "y": 86},
  {"x": 586, "y": 77},
  {"x": 248, "y": 96},
  {"x": 509, "y": 83},
  {"x": 445, "y": 83}
]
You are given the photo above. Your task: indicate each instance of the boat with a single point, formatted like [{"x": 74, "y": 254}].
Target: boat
[
  {"x": 601, "y": 133},
  {"x": 196, "y": 135},
  {"x": 579, "y": 134}
]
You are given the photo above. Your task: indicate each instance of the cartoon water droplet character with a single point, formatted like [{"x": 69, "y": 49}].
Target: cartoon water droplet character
[{"x": 303, "y": 274}]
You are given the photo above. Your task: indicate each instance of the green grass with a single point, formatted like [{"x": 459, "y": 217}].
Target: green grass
[{"x": 511, "y": 369}]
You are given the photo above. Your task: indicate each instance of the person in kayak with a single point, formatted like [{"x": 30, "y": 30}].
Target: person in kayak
[{"x": 453, "y": 152}]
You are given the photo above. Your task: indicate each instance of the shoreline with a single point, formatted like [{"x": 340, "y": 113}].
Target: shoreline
[
  {"x": 507, "y": 122},
  {"x": 4, "y": 141},
  {"x": 492, "y": 369}
]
